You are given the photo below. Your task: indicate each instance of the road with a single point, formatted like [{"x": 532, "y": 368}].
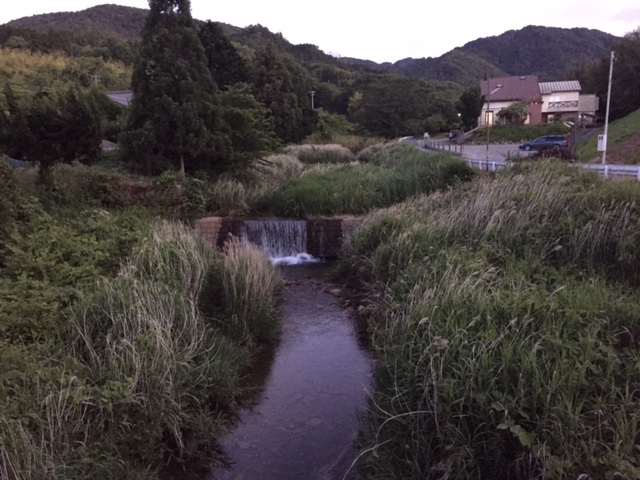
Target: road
[{"x": 496, "y": 152}]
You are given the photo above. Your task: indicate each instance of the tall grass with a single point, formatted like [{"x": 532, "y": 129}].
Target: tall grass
[
  {"x": 355, "y": 143},
  {"x": 507, "y": 339},
  {"x": 330, "y": 153},
  {"x": 147, "y": 372},
  {"x": 356, "y": 189},
  {"x": 249, "y": 283}
]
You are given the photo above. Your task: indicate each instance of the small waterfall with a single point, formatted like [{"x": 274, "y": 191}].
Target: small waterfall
[{"x": 284, "y": 241}]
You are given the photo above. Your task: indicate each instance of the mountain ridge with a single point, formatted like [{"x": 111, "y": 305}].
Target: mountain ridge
[{"x": 544, "y": 51}]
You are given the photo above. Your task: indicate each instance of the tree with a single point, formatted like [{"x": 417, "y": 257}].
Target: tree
[
  {"x": 175, "y": 121},
  {"x": 250, "y": 132},
  {"x": 515, "y": 113},
  {"x": 392, "y": 106},
  {"x": 625, "y": 96},
  {"x": 282, "y": 86},
  {"x": 594, "y": 76},
  {"x": 226, "y": 65},
  {"x": 14, "y": 130},
  {"x": 51, "y": 128},
  {"x": 470, "y": 106}
]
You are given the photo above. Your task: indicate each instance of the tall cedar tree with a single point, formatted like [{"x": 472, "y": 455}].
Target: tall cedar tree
[
  {"x": 174, "y": 122},
  {"x": 284, "y": 94},
  {"x": 226, "y": 65},
  {"x": 250, "y": 132}
]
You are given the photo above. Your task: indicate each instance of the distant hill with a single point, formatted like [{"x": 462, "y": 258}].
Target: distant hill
[
  {"x": 100, "y": 21},
  {"x": 105, "y": 21},
  {"x": 545, "y": 51}
]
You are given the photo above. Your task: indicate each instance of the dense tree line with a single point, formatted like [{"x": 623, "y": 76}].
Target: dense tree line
[
  {"x": 594, "y": 76},
  {"x": 205, "y": 103},
  {"x": 70, "y": 43}
]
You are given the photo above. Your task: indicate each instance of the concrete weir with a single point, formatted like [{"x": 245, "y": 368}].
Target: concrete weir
[{"x": 324, "y": 235}]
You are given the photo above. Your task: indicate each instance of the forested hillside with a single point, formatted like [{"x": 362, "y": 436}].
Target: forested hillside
[
  {"x": 101, "y": 21},
  {"x": 544, "y": 51}
]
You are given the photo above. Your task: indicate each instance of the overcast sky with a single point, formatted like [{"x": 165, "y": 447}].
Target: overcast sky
[{"x": 380, "y": 31}]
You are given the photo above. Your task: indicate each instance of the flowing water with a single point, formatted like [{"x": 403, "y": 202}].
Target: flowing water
[
  {"x": 284, "y": 241},
  {"x": 305, "y": 423}
]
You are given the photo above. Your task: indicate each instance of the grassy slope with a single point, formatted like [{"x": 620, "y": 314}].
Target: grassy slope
[
  {"x": 503, "y": 340},
  {"x": 619, "y": 131}
]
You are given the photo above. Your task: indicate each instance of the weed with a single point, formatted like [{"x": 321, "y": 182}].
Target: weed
[{"x": 507, "y": 335}]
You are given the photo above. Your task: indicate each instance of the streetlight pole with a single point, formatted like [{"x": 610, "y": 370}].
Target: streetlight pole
[
  {"x": 486, "y": 118},
  {"x": 606, "y": 116},
  {"x": 313, "y": 94}
]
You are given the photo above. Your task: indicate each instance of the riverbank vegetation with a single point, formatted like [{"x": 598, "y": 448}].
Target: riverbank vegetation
[
  {"x": 123, "y": 339},
  {"x": 507, "y": 335}
]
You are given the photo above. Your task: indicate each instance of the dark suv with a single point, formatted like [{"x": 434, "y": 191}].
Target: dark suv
[{"x": 544, "y": 143}]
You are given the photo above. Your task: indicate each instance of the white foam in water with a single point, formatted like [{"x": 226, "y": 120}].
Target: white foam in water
[
  {"x": 298, "y": 259},
  {"x": 283, "y": 241}
]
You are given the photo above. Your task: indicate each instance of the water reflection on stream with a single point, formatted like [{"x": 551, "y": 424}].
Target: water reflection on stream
[{"x": 304, "y": 424}]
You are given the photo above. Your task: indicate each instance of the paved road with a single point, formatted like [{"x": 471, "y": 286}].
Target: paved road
[{"x": 496, "y": 152}]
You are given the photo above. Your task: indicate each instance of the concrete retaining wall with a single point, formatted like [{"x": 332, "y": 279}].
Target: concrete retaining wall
[{"x": 324, "y": 234}]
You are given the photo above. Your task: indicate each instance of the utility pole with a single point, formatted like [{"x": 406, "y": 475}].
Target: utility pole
[
  {"x": 96, "y": 78},
  {"x": 606, "y": 116},
  {"x": 313, "y": 94},
  {"x": 486, "y": 118}
]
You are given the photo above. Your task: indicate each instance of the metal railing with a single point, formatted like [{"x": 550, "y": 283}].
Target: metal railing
[
  {"x": 491, "y": 165},
  {"x": 443, "y": 145},
  {"x": 607, "y": 171}
]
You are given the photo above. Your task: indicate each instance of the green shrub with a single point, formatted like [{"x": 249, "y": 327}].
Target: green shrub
[{"x": 51, "y": 261}]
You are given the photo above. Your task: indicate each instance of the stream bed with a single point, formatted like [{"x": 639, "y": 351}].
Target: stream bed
[{"x": 304, "y": 424}]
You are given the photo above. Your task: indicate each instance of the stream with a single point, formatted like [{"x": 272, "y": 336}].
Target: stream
[{"x": 304, "y": 424}]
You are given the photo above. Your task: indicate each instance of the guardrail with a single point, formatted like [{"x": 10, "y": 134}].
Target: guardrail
[
  {"x": 443, "y": 145},
  {"x": 607, "y": 170}
]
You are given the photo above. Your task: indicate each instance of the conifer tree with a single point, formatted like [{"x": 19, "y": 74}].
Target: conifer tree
[
  {"x": 275, "y": 89},
  {"x": 226, "y": 65},
  {"x": 174, "y": 120}
]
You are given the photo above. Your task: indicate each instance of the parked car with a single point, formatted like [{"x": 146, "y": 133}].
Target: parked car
[
  {"x": 544, "y": 143},
  {"x": 454, "y": 134}
]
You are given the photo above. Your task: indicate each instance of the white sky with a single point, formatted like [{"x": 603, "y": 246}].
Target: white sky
[{"x": 380, "y": 31}]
